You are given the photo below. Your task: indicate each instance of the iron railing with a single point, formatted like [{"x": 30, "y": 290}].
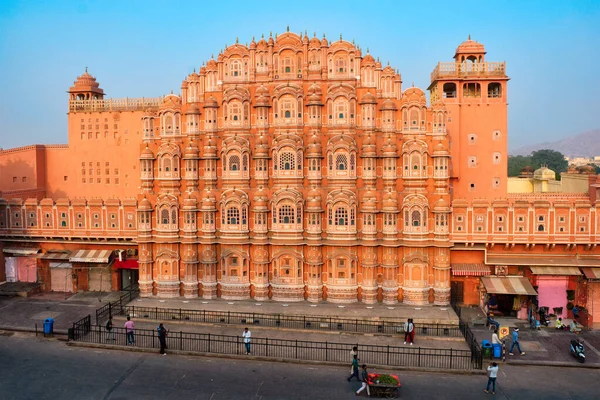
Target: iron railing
[
  {"x": 474, "y": 346},
  {"x": 80, "y": 328},
  {"x": 299, "y": 322},
  {"x": 443, "y": 359},
  {"x": 116, "y": 307}
]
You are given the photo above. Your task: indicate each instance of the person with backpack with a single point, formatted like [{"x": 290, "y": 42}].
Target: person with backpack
[
  {"x": 109, "y": 329},
  {"x": 162, "y": 338}
]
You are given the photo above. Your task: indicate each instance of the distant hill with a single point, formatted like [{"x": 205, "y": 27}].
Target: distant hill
[{"x": 586, "y": 144}]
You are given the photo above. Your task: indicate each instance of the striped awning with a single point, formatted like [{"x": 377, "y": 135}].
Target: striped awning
[
  {"x": 470, "y": 269},
  {"x": 58, "y": 255},
  {"x": 21, "y": 251},
  {"x": 91, "y": 256},
  {"x": 508, "y": 285},
  {"x": 555, "y": 270},
  {"x": 591, "y": 273}
]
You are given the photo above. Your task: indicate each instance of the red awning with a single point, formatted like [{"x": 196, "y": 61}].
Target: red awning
[{"x": 126, "y": 264}]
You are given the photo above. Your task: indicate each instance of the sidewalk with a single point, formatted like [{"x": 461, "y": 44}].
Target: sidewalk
[
  {"x": 546, "y": 346},
  {"x": 427, "y": 314}
]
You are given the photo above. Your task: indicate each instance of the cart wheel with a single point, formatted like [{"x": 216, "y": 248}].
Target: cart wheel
[{"x": 392, "y": 394}]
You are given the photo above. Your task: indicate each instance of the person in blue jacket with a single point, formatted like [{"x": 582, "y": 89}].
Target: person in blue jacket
[{"x": 515, "y": 342}]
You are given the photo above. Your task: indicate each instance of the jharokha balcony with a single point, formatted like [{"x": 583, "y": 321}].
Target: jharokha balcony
[{"x": 468, "y": 69}]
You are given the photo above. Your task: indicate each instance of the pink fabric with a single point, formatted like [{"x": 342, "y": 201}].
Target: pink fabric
[{"x": 129, "y": 326}]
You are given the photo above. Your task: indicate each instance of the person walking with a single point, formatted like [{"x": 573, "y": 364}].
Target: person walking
[
  {"x": 162, "y": 338},
  {"x": 515, "y": 342},
  {"x": 354, "y": 352},
  {"x": 409, "y": 331},
  {"x": 246, "y": 335},
  {"x": 365, "y": 381},
  {"x": 129, "y": 326},
  {"x": 109, "y": 329},
  {"x": 354, "y": 369},
  {"x": 493, "y": 374}
]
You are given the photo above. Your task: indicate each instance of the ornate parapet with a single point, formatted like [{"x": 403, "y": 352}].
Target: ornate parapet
[{"x": 126, "y": 104}]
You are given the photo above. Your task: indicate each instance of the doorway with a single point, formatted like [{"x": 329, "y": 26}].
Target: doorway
[
  {"x": 129, "y": 278},
  {"x": 457, "y": 290}
]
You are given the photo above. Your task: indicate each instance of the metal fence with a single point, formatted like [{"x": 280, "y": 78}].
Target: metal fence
[
  {"x": 80, "y": 328},
  {"x": 469, "y": 338},
  {"x": 300, "y": 322},
  {"x": 116, "y": 307},
  {"x": 287, "y": 349}
]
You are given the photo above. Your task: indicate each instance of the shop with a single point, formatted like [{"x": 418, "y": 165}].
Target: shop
[
  {"x": 128, "y": 273},
  {"x": 552, "y": 284},
  {"x": 464, "y": 286},
  {"x": 506, "y": 295},
  {"x": 20, "y": 264},
  {"x": 60, "y": 278},
  {"x": 593, "y": 294},
  {"x": 92, "y": 268}
]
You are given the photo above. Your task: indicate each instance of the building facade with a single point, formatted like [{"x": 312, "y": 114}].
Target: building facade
[{"x": 292, "y": 169}]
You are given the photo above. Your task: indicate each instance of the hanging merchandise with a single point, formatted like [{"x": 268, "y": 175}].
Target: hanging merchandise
[{"x": 516, "y": 303}]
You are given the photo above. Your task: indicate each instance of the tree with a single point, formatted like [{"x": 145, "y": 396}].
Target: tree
[
  {"x": 554, "y": 160},
  {"x": 517, "y": 163}
]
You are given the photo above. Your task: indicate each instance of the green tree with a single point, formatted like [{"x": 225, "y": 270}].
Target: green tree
[
  {"x": 517, "y": 163},
  {"x": 554, "y": 160}
]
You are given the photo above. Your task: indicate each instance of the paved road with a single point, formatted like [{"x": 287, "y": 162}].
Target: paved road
[{"x": 48, "y": 369}]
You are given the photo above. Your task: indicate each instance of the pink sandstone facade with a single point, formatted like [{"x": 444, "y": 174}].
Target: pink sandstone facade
[{"x": 292, "y": 169}]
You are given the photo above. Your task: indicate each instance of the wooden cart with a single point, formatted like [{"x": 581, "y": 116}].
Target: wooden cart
[{"x": 380, "y": 389}]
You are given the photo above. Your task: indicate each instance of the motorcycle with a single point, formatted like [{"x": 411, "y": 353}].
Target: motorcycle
[
  {"x": 578, "y": 350},
  {"x": 543, "y": 318}
]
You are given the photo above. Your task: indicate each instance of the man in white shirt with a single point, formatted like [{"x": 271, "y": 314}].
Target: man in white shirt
[
  {"x": 493, "y": 371},
  {"x": 246, "y": 335}
]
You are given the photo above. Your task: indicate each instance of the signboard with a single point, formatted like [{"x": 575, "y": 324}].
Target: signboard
[{"x": 503, "y": 332}]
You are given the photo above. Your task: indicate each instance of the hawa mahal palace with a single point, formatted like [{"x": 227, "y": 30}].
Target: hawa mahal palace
[{"x": 292, "y": 169}]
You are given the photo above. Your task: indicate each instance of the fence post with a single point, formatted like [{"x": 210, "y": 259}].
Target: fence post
[
  {"x": 110, "y": 309},
  {"x": 356, "y": 325},
  {"x": 180, "y": 315},
  {"x": 267, "y": 347},
  {"x": 419, "y": 356},
  {"x": 388, "y": 355},
  {"x": 450, "y": 358},
  {"x": 180, "y": 340},
  {"x": 296, "y": 356},
  {"x": 326, "y": 352},
  {"x": 203, "y": 315},
  {"x": 209, "y": 342},
  {"x": 228, "y": 317}
]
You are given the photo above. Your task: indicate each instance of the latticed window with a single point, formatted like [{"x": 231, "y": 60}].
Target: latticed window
[
  {"x": 341, "y": 216},
  {"x": 245, "y": 163},
  {"x": 233, "y": 216},
  {"x": 235, "y": 112},
  {"x": 235, "y": 68},
  {"x": 164, "y": 217},
  {"x": 341, "y": 162},
  {"x": 299, "y": 160},
  {"x": 416, "y": 218},
  {"x": 234, "y": 163},
  {"x": 174, "y": 216},
  {"x": 287, "y": 161},
  {"x": 286, "y": 214}
]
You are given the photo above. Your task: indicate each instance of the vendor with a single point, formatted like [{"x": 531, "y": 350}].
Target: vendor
[{"x": 575, "y": 327}]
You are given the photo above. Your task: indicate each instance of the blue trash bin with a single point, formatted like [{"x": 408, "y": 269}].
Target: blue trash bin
[
  {"x": 49, "y": 326},
  {"x": 486, "y": 348},
  {"x": 497, "y": 350}
]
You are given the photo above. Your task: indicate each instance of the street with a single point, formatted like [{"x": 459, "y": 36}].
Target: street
[{"x": 37, "y": 368}]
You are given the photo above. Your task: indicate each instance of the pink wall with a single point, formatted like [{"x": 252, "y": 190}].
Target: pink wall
[{"x": 552, "y": 292}]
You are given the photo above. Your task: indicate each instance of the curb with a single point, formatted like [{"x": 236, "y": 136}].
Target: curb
[
  {"x": 57, "y": 332},
  {"x": 275, "y": 359},
  {"x": 561, "y": 364},
  {"x": 271, "y": 328}
]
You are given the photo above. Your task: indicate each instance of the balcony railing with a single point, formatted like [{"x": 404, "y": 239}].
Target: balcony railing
[
  {"x": 468, "y": 69},
  {"x": 125, "y": 104}
]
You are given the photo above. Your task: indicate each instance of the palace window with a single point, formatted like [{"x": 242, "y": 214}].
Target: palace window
[{"x": 494, "y": 90}]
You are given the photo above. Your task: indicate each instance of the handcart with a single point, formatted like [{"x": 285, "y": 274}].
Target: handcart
[{"x": 384, "y": 387}]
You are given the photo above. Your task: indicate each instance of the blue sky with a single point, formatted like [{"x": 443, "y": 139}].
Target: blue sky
[{"x": 146, "y": 48}]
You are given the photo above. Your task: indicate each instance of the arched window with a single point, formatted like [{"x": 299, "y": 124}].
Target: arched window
[
  {"x": 233, "y": 215},
  {"x": 494, "y": 89},
  {"x": 234, "y": 112},
  {"x": 235, "y": 68},
  {"x": 341, "y": 162},
  {"x": 449, "y": 90},
  {"x": 164, "y": 217},
  {"x": 340, "y": 110},
  {"x": 286, "y": 214},
  {"x": 341, "y": 216},
  {"x": 287, "y": 161},
  {"x": 173, "y": 216}
]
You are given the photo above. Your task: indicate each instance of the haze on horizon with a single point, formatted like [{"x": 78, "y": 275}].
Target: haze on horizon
[{"x": 146, "y": 48}]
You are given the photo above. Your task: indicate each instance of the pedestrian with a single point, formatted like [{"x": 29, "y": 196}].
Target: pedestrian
[
  {"x": 129, "y": 325},
  {"x": 354, "y": 352},
  {"x": 162, "y": 338},
  {"x": 493, "y": 371},
  {"x": 109, "y": 329},
  {"x": 246, "y": 335},
  {"x": 495, "y": 338},
  {"x": 409, "y": 331},
  {"x": 354, "y": 369},
  {"x": 515, "y": 342},
  {"x": 365, "y": 381}
]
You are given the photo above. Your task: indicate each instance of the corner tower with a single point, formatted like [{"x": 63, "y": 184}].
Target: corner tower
[
  {"x": 85, "y": 88},
  {"x": 474, "y": 93}
]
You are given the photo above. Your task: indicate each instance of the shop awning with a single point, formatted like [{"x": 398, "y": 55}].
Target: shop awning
[
  {"x": 542, "y": 260},
  {"x": 591, "y": 273},
  {"x": 21, "y": 251},
  {"x": 58, "y": 255},
  {"x": 508, "y": 285},
  {"x": 91, "y": 256},
  {"x": 470, "y": 269},
  {"x": 555, "y": 270},
  {"x": 127, "y": 264}
]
